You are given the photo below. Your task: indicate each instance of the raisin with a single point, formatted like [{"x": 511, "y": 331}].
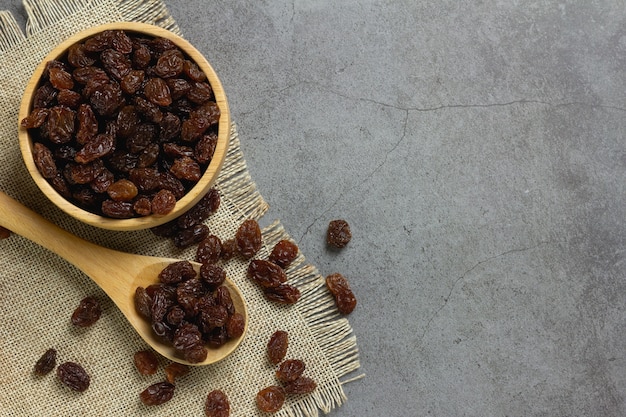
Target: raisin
[
  {"x": 212, "y": 275},
  {"x": 87, "y": 124},
  {"x": 283, "y": 253},
  {"x": 84, "y": 74},
  {"x": 187, "y": 339},
  {"x": 200, "y": 92},
  {"x": 216, "y": 404},
  {"x": 229, "y": 249},
  {"x": 176, "y": 151},
  {"x": 193, "y": 128},
  {"x": 248, "y": 238},
  {"x": 186, "y": 168},
  {"x": 339, "y": 287},
  {"x": 68, "y": 98},
  {"x": 46, "y": 363},
  {"x": 74, "y": 376},
  {"x": 283, "y": 294},
  {"x": 290, "y": 370},
  {"x": 87, "y": 313},
  {"x": 83, "y": 173},
  {"x": 97, "y": 147},
  {"x": 149, "y": 156},
  {"x": 211, "y": 317},
  {"x": 142, "y": 206},
  {"x": 65, "y": 153},
  {"x": 116, "y": 64},
  {"x": 60, "y": 79},
  {"x": 175, "y": 370},
  {"x": 169, "y": 64},
  {"x": 193, "y": 72},
  {"x": 149, "y": 110},
  {"x": 141, "y": 57},
  {"x": 217, "y": 337},
  {"x": 302, "y": 385},
  {"x": 103, "y": 181},
  {"x": 178, "y": 87},
  {"x": 157, "y": 91},
  {"x": 235, "y": 325},
  {"x": 99, "y": 42},
  {"x": 163, "y": 202},
  {"x": 107, "y": 99},
  {"x": 146, "y": 362},
  {"x": 223, "y": 298},
  {"x": 44, "y": 160},
  {"x": 157, "y": 394},
  {"x": 169, "y": 127},
  {"x": 44, "y": 96},
  {"x": 209, "y": 250},
  {"x": 277, "y": 346},
  {"x": 338, "y": 234},
  {"x": 141, "y": 137},
  {"x": 60, "y": 124},
  {"x": 131, "y": 82},
  {"x": 127, "y": 120},
  {"x": 35, "y": 119},
  {"x": 169, "y": 229},
  {"x": 118, "y": 209},
  {"x": 205, "y": 148},
  {"x": 191, "y": 236},
  {"x": 77, "y": 56},
  {"x": 265, "y": 273},
  {"x": 175, "y": 315},
  {"x": 270, "y": 399},
  {"x": 121, "y": 42},
  {"x": 177, "y": 272},
  {"x": 169, "y": 182},
  {"x": 143, "y": 303}
]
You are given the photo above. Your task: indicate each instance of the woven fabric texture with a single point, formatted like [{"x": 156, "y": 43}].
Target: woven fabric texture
[{"x": 39, "y": 291}]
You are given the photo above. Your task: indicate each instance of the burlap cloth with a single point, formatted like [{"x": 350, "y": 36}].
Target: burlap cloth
[{"x": 38, "y": 290}]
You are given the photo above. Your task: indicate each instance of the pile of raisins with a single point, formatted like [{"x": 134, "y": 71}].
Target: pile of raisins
[
  {"x": 190, "y": 310},
  {"x": 289, "y": 373},
  {"x": 123, "y": 125}
]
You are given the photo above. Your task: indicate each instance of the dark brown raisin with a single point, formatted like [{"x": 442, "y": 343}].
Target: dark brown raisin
[
  {"x": 175, "y": 370},
  {"x": 191, "y": 236},
  {"x": 87, "y": 124},
  {"x": 223, "y": 298},
  {"x": 99, "y": 42},
  {"x": 143, "y": 303},
  {"x": 176, "y": 151},
  {"x": 338, "y": 234},
  {"x": 277, "y": 346},
  {"x": 211, "y": 317},
  {"x": 46, "y": 363},
  {"x": 339, "y": 287},
  {"x": 290, "y": 370},
  {"x": 163, "y": 202},
  {"x": 283, "y": 294},
  {"x": 115, "y": 63},
  {"x": 177, "y": 272},
  {"x": 107, "y": 99},
  {"x": 44, "y": 160},
  {"x": 83, "y": 173},
  {"x": 265, "y": 273},
  {"x": 121, "y": 42},
  {"x": 169, "y": 127},
  {"x": 157, "y": 91},
  {"x": 146, "y": 362},
  {"x": 84, "y": 74},
  {"x": 149, "y": 156},
  {"x": 157, "y": 394},
  {"x": 217, "y": 337},
  {"x": 193, "y": 72},
  {"x": 97, "y": 147},
  {"x": 178, "y": 87},
  {"x": 186, "y": 168},
  {"x": 60, "y": 124},
  {"x": 283, "y": 253},
  {"x": 248, "y": 238},
  {"x": 229, "y": 249},
  {"x": 209, "y": 250},
  {"x": 118, "y": 209},
  {"x": 187, "y": 340},
  {"x": 212, "y": 275},
  {"x": 141, "y": 137},
  {"x": 60, "y": 79},
  {"x": 87, "y": 313},
  {"x": 235, "y": 325},
  {"x": 68, "y": 98},
  {"x": 74, "y": 376},
  {"x": 205, "y": 148},
  {"x": 142, "y": 206},
  {"x": 302, "y": 385},
  {"x": 141, "y": 57},
  {"x": 270, "y": 399},
  {"x": 44, "y": 95},
  {"x": 77, "y": 56},
  {"x": 200, "y": 92},
  {"x": 169, "y": 64},
  {"x": 35, "y": 119},
  {"x": 175, "y": 315},
  {"x": 216, "y": 404},
  {"x": 150, "y": 111},
  {"x": 4, "y": 233},
  {"x": 131, "y": 82}
]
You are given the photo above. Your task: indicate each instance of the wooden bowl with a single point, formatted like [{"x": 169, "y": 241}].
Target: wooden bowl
[{"x": 192, "y": 196}]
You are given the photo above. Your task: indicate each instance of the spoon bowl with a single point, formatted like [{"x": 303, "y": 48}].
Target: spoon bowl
[{"x": 117, "y": 273}]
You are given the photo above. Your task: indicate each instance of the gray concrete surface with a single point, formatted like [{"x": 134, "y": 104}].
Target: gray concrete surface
[{"x": 477, "y": 149}]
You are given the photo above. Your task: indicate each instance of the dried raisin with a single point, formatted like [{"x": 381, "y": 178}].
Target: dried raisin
[
  {"x": 175, "y": 370},
  {"x": 216, "y": 404},
  {"x": 277, "y": 346},
  {"x": 290, "y": 370},
  {"x": 283, "y": 253},
  {"x": 270, "y": 399},
  {"x": 302, "y": 385},
  {"x": 74, "y": 376},
  {"x": 338, "y": 233},
  {"x": 87, "y": 313},
  {"x": 339, "y": 287},
  {"x": 248, "y": 238},
  {"x": 46, "y": 363},
  {"x": 157, "y": 394},
  {"x": 146, "y": 362}
]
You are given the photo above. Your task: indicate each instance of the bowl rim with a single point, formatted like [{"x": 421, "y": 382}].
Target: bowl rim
[{"x": 192, "y": 196}]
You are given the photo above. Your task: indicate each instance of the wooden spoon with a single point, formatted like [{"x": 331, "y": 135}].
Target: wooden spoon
[{"x": 117, "y": 273}]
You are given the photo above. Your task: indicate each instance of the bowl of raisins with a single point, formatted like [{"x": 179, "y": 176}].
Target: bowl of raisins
[{"x": 124, "y": 126}]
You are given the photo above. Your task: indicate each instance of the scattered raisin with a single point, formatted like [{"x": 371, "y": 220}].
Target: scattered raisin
[
  {"x": 277, "y": 346},
  {"x": 301, "y": 385},
  {"x": 283, "y": 253},
  {"x": 87, "y": 313},
  {"x": 248, "y": 238},
  {"x": 339, "y": 287},
  {"x": 338, "y": 234},
  {"x": 209, "y": 250},
  {"x": 283, "y": 294},
  {"x": 157, "y": 394},
  {"x": 146, "y": 362},
  {"x": 265, "y": 273},
  {"x": 46, "y": 363},
  {"x": 74, "y": 376},
  {"x": 290, "y": 370},
  {"x": 191, "y": 236},
  {"x": 229, "y": 249},
  {"x": 270, "y": 399},
  {"x": 216, "y": 404}
]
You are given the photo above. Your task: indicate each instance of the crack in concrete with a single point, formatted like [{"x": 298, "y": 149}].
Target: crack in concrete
[{"x": 446, "y": 299}]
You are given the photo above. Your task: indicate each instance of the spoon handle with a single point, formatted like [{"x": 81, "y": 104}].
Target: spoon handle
[{"x": 79, "y": 252}]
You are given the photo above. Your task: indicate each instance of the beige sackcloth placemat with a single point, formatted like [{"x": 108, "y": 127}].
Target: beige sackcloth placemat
[{"x": 39, "y": 291}]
